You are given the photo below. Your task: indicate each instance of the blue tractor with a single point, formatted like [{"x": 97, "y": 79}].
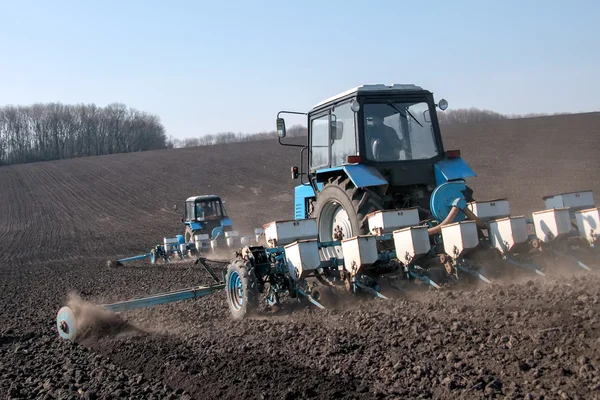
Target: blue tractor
[
  {"x": 205, "y": 215},
  {"x": 375, "y": 147},
  {"x": 382, "y": 199}
]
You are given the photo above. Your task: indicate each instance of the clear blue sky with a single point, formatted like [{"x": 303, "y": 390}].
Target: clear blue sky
[{"x": 207, "y": 67}]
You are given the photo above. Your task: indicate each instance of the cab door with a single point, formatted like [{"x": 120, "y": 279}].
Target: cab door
[
  {"x": 190, "y": 215},
  {"x": 319, "y": 156}
]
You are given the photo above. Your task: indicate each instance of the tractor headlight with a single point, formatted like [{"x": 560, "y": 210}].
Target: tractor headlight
[{"x": 354, "y": 106}]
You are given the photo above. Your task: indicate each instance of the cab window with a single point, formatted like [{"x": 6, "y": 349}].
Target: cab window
[
  {"x": 343, "y": 139},
  {"x": 319, "y": 135}
]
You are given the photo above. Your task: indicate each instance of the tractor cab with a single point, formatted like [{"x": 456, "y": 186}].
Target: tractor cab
[
  {"x": 375, "y": 125},
  {"x": 373, "y": 147},
  {"x": 205, "y": 215},
  {"x": 202, "y": 208}
]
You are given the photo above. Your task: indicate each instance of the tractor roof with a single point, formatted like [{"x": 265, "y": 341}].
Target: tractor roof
[
  {"x": 204, "y": 197},
  {"x": 363, "y": 89}
]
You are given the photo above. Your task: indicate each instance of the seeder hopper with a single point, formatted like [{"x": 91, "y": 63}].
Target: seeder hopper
[{"x": 385, "y": 209}]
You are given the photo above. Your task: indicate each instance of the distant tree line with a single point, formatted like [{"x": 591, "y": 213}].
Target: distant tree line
[
  {"x": 449, "y": 117},
  {"x": 476, "y": 115},
  {"x": 43, "y": 132},
  {"x": 231, "y": 137}
]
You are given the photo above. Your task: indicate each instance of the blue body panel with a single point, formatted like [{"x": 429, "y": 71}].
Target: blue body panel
[
  {"x": 301, "y": 192},
  {"x": 360, "y": 175},
  {"x": 365, "y": 176},
  {"x": 196, "y": 226},
  {"x": 449, "y": 170},
  {"x": 225, "y": 222},
  {"x": 218, "y": 231}
]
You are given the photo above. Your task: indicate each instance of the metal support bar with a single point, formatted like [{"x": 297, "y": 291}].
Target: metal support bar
[
  {"x": 474, "y": 273},
  {"x": 425, "y": 279},
  {"x": 577, "y": 262},
  {"x": 201, "y": 261},
  {"x": 370, "y": 290},
  {"x": 310, "y": 298},
  {"x": 211, "y": 273},
  {"x": 275, "y": 250},
  {"x": 531, "y": 267},
  {"x": 170, "y": 297},
  {"x": 134, "y": 258},
  {"x": 330, "y": 244},
  {"x": 387, "y": 256}
]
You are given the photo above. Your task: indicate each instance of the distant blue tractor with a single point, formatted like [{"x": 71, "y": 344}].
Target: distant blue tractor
[
  {"x": 371, "y": 148},
  {"x": 205, "y": 215},
  {"x": 207, "y": 227}
]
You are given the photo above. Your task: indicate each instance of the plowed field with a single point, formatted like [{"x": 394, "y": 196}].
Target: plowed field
[{"x": 61, "y": 221}]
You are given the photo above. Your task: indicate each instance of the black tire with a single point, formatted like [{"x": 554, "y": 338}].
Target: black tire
[
  {"x": 243, "y": 301},
  {"x": 189, "y": 234},
  {"x": 357, "y": 202}
]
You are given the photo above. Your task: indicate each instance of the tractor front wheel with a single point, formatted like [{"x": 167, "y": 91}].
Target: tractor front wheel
[{"x": 242, "y": 289}]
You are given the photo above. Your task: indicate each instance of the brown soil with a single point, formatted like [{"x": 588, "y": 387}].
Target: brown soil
[{"x": 61, "y": 221}]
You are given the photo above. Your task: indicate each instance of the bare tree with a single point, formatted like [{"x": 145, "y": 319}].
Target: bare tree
[{"x": 52, "y": 131}]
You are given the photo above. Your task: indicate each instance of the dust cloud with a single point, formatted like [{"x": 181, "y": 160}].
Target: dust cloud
[{"x": 93, "y": 321}]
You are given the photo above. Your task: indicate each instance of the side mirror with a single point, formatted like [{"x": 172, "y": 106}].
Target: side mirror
[
  {"x": 295, "y": 173},
  {"x": 281, "y": 127},
  {"x": 337, "y": 129},
  {"x": 443, "y": 104}
]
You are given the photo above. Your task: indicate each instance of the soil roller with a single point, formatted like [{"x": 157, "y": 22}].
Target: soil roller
[{"x": 71, "y": 320}]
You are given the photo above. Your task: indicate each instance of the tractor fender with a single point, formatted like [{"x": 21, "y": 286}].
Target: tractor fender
[
  {"x": 226, "y": 222},
  {"x": 451, "y": 170},
  {"x": 194, "y": 226},
  {"x": 360, "y": 175}
]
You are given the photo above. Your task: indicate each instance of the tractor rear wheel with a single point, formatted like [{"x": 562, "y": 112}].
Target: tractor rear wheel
[
  {"x": 241, "y": 289},
  {"x": 189, "y": 234},
  {"x": 341, "y": 211}
]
